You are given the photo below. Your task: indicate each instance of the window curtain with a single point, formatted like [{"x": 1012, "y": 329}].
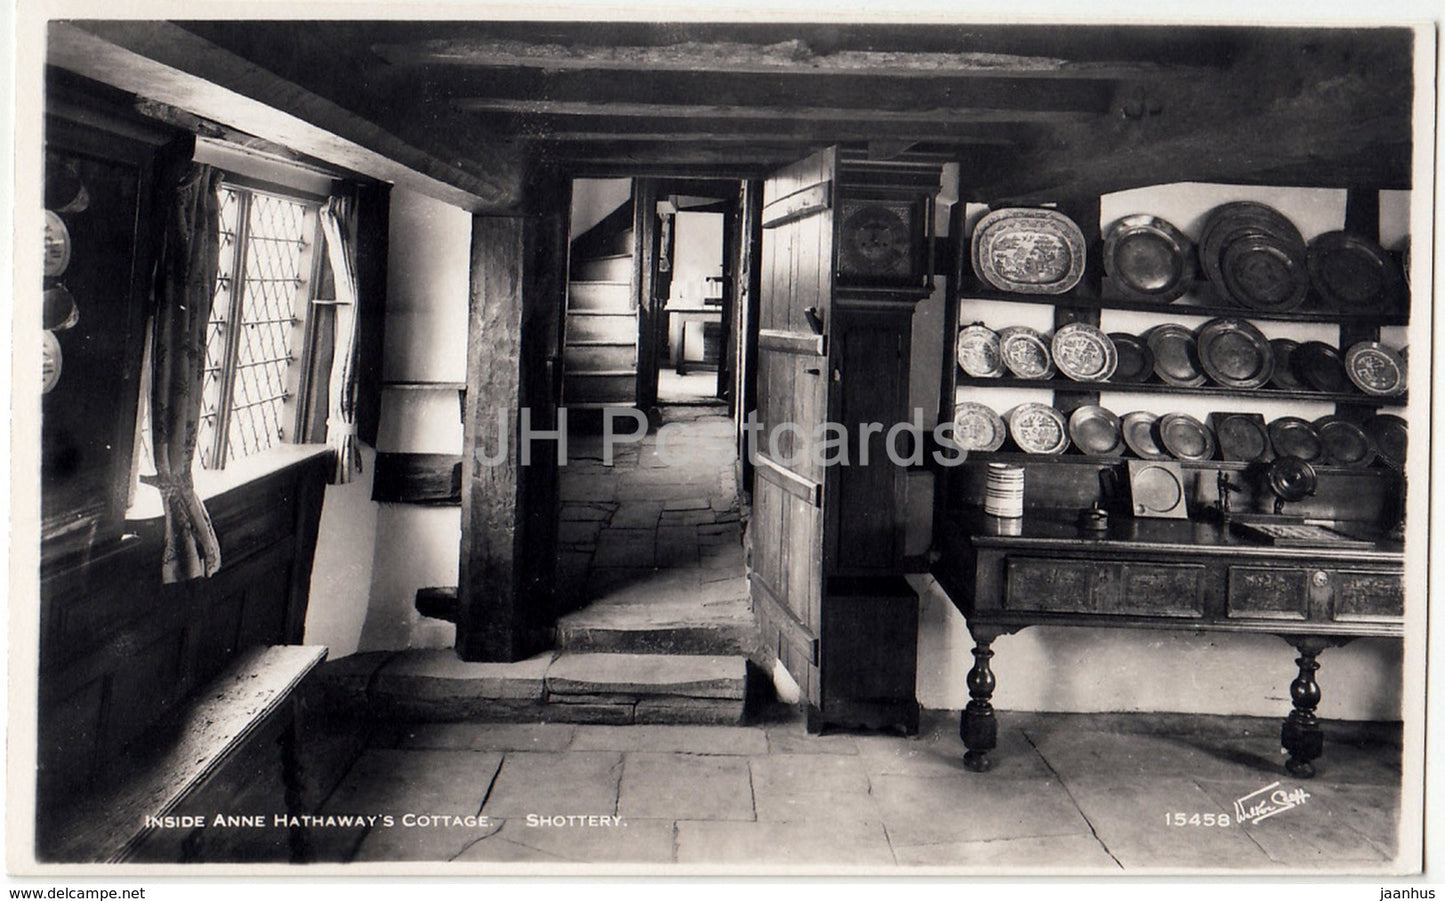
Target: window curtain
[
  {"x": 185, "y": 288},
  {"x": 341, "y": 410}
]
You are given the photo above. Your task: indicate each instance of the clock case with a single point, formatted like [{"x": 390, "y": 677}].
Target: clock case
[{"x": 884, "y": 240}]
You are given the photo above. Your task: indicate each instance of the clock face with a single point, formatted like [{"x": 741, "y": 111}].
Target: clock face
[{"x": 876, "y": 240}]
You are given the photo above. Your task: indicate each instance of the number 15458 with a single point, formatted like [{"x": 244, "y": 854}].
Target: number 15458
[{"x": 1196, "y": 819}]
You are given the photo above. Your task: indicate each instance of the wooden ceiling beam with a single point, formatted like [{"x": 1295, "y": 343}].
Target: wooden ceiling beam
[
  {"x": 792, "y": 89},
  {"x": 788, "y": 54},
  {"x": 714, "y": 113},
  {"x": 162, "y": 62},
  {"x": 1002, "y": 139}
]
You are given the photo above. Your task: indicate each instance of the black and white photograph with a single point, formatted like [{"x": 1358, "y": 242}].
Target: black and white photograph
[{"x": 481, "y": 441}]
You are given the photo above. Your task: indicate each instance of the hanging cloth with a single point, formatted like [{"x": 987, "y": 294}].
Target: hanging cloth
[{"x": 341, "y": 410}]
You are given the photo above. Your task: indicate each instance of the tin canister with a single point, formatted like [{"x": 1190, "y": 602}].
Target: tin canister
[{"x": 1003, "y": 494}]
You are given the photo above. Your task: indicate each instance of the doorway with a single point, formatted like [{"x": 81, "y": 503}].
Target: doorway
[{"x": 691, "y": 278}]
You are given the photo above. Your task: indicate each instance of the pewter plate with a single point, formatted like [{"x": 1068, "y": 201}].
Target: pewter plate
[
  {"x": 1176, "y": 358},
  {"x": 1319, "y": 366},
  {"x": 1095, "y": 430},
  {"x": 1241, "y": 436},
  {"x": 1148, "y": 258},
  {"x": 1184, "y": 437},
  {"x": 1234, "y": 353},
  {"x": 1083, "y": 353},
  {"x": 1353, "y": 274},
  {"x": 1345, "y": 444},
  {"x": 1028, "y": 251},
  {"x": 1292, "y": 436},
  {"x": 1137, "y": 429},
  {"x": 1136, "y": 360},
  {"x": 1390, "y": 436}
]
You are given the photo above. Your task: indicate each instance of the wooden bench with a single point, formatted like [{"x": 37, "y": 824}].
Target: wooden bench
[{"x": 230, "y": 752}]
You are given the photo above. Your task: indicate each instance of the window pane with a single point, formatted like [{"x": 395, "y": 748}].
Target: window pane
[{"x": 248, "y": 341}]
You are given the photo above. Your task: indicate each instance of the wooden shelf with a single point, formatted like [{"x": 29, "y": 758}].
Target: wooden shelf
[
  {"x": 1086, "y": 299},
  {"x": 1069, "y": 386},
  {"x": 1072, "y": 457}
]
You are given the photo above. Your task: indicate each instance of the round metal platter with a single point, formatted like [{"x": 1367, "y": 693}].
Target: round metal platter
[
  {"x": 1375, "y": 369},
  {"x": 1318, "y": 366},
  {"x": 978, "y": 352},
  {"x": 59, "y": 310},
  {"x": 1038, "y": 429},
  {"x": 1242, "y": 437},
  {"x": 1176, "y": 358},
  {"x": 1095, "y": 430},
  {"x": 1231, "y": 221},
  {"x": 1025, "y": 352},
  {"x": 57, "y": 245},
  {"x": 1155, "y": 490},
  {"x": 1292, "y": 479},
  {"x": 1234, "y": 353},
  {"x": 1390, "y": 436},
  {"x": 1148, "y": 259},
  {"x": 1353, "y": 274},
  {"x": 1262, "y": 273},
  {"x": 1028, "y": 251},
  {"x": 1283, "y": 376},
  {"x": 1291, "y": 436},
  {"x": 1083, "y": 353},
  {"x": 1137, "y": 429},
  {"x": 977, "y": 427},
  {"x": 1136, "y": 360},
  {"x": 1345, "y": 444},
  {"x": 1184, "y": 437}
]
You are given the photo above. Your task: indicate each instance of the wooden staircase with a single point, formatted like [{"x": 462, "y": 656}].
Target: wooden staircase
[{"x": 600, "y": 341}]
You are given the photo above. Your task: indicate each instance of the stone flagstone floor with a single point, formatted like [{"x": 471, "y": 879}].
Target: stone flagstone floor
[{"x": 1068, "y": 793}]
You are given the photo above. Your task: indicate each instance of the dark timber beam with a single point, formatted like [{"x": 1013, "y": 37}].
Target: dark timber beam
[
  {"x": 715, "y": 113},
  {"x": 508, "y": 489},
  {"x": 793, "y": 89},
  {"x": 1319, "y": 110},
  {"x": 165, "y": 63}
]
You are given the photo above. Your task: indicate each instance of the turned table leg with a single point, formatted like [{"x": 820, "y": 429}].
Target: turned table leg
[
  {"x": 1301, "y": 735},
  {"x": 978, "y": 727}
]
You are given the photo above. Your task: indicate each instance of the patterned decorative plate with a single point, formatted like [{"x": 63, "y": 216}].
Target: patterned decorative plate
[
  {"x": 1083, "y": 353},
  {"x": 51, "y": 360},
  {"x": 1184, "y": 437},
  {"x": 1353, "y": 274},
  {"x": 1025, "y": 352},
  {"x": 1241, "y": 436},
  {"x": 1138, "y": 431},
  {"x": 57, "y": 245},
  {"x": 1176, "y": 358},
  {"x": 1028, "y": 251},
  {"x": 1234, "y": 353},
  {"x": 1038, "y": 429},
  {"x": 1345, "y": 444},
  {"x": 1095, "y": 430},
  {"x": 1136, "y": 360},
  {"x": 1375, "y": 369},
  {"x": 1147, "y": 258},
  {"x": 1294, "y": 437},
  {"x": 978, "y": 352},
  {"x": 977, "y": 427}
]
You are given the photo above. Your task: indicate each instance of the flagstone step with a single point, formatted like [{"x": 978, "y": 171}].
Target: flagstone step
[{"x": 434, "y": 685}]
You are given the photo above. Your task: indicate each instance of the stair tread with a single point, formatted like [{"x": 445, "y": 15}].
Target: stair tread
[
  {"x": 692, "y": 675},
  {"x": 603, "y": 256},
  {"x": 628, "y": 313},
  {"x": 626, "y": 283},
  {"x": 600, "y": 342},
  {"x": 601, "y": 372}
]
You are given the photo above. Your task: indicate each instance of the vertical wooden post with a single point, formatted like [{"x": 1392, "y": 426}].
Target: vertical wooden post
[{"x": 508, "y": 489}]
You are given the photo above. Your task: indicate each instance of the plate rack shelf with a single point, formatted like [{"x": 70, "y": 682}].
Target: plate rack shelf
[{"x": 1092, "y": 296}]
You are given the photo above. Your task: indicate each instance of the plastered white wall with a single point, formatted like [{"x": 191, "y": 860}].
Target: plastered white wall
[
  {"x": 594, "y": 198},
  {"x": 1088, "y": 670},
  {"x": 371, "y": 558}
]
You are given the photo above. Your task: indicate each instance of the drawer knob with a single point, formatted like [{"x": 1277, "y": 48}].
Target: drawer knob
[{"x": 1320, "y": 579}]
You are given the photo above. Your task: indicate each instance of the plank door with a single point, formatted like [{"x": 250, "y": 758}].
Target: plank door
[{"x": 792, "y": 399}]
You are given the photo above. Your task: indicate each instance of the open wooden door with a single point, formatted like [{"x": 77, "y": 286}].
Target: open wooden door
[{"x": 845, "y": 255}]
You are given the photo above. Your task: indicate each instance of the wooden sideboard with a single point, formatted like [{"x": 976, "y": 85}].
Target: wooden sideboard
[{"x": 1047, "y": 569}]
